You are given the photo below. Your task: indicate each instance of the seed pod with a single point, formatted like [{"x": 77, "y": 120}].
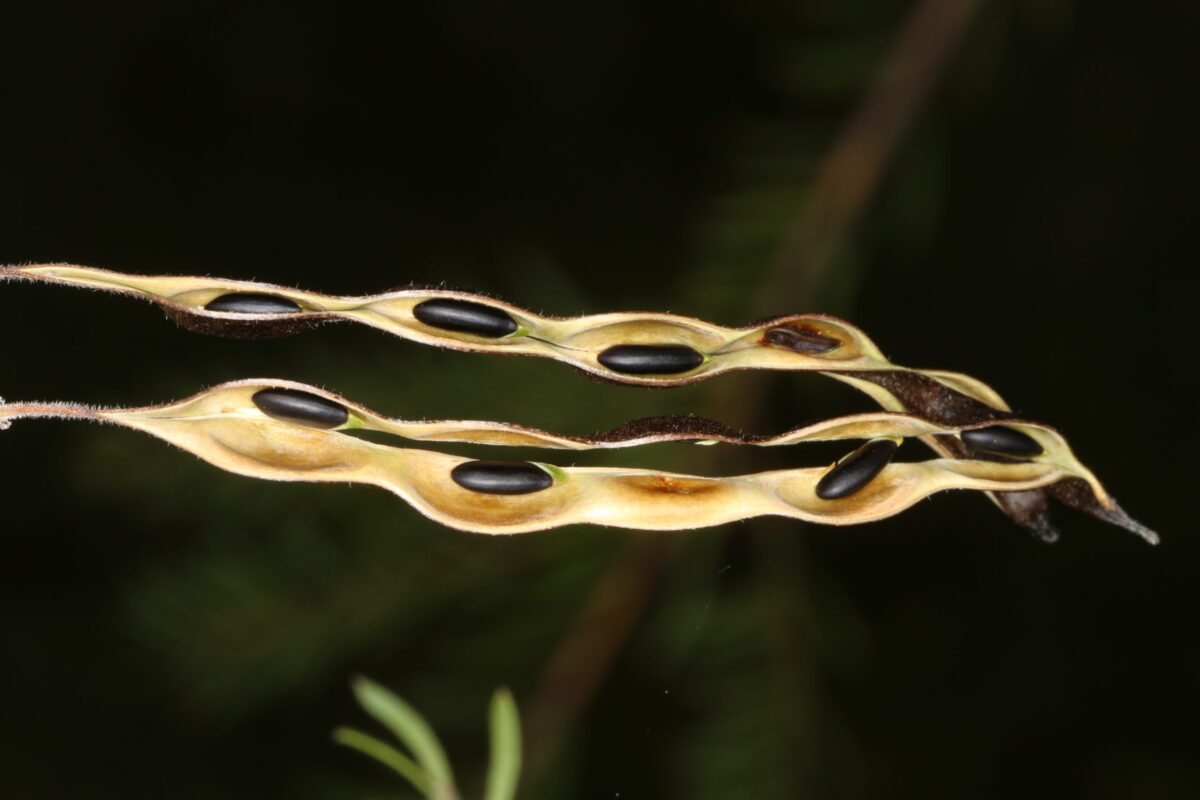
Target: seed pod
[
  {"x": 678, "y": 347},
  {"x": 937, "y": 398},
  {"x": 650, "y": 359},
  {"x": 253, "y": 303},
  {"x": 856, "y": 470},
  {"x": 219, "y": 426},
  {"x": 465, "y": 317},
  {"x": 800, "y": 340},
  {"x": 1001, "y": 440},
  {"x": 501, "y": 477},
  {"x": 302, "y": 408}
]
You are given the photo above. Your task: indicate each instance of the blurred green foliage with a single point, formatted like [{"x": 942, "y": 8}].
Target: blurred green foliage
[{"x": 430, "y": 772}]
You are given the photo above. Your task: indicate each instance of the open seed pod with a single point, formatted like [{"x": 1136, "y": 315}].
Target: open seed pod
[
  {"x": 644, "y": 349},
  {"x": 282, "y": 430}
]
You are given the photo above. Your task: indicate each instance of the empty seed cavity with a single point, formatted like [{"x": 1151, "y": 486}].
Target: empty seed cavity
[
  {"x": 650, "y": 359},
  {"x": 800, "y": 340},
  {"x": 856, "y": 470},
  {"x": 1001, "y": 440},
  {"x": 253, "y": 303},
  {"x": 465, "y": 317},
  {"x": 501, "y": 477},
  {"x": 302, "y": 408}
]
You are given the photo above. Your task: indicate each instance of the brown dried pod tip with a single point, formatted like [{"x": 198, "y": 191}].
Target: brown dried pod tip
[{"x": 281, "y": 430}]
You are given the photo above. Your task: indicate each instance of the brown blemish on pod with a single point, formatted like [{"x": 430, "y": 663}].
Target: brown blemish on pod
[{"x": 671, "y": 484}]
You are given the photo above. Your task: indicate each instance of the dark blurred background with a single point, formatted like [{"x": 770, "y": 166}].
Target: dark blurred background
[{"x": 1005, "y": 189}]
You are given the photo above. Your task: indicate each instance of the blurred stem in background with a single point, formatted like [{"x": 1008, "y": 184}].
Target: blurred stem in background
[
  {"x": 845, "y": 182},
  {"x": 849, "y": 174}
]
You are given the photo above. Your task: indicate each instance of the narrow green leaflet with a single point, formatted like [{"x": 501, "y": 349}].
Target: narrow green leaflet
[
  {"x": 505, "y": 769},
  {"x": 430, "y": 773},
  {"x": 411, "y": 729},
  {"x": 385, "y": 754}
]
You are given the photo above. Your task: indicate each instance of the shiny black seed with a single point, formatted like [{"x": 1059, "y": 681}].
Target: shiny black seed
[
  {"x": 251, "y": 303},
  {"x": 1002, "y": 441},
  {"x": 856, "y": 470},
  {"x": 465, "y": 317},
  {"x": 801, "y": 340},
  {"x": 302, "y": 408},
  {"x": 650, "y": 359},
  {"x": 501, "y": 477}
]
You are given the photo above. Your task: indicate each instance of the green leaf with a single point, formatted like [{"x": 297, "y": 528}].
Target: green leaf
[
  {"x": 505, "y": 769},
  {"x": 411, "y": 729},
  {"x": 386, "y": 754}
]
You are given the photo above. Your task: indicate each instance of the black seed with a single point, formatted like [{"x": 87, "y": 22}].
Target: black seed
[
  {"x": 801, "y": 340},
  {"x": 251, "y": 303},
  {"x": 303, "y": 408},
  {"x": 856, "y": 470},
  {"x": 650, "y": 359},
  {"x": 501, "y": 477},
  {"x": 465, "y": 317},
  {"x": 1002, "y": 441}
]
